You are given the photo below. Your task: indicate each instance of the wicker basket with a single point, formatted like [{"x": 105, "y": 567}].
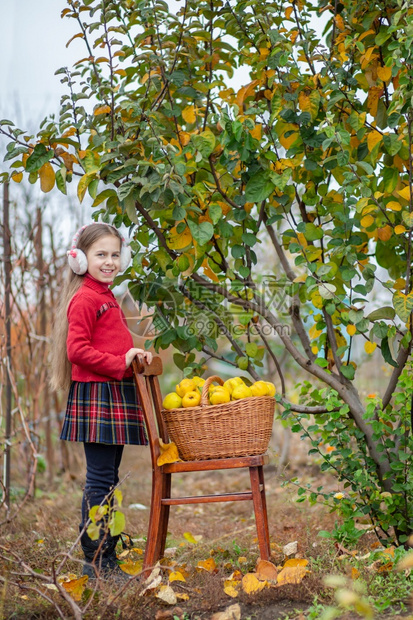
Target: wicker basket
[{"x": 238, "y": 428}]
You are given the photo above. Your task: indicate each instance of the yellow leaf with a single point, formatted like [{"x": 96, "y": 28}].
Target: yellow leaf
[
  {"x": 176, "y": 576},
  {"x": 169, "y": 453},
  {"x": 120, "y": 72},
  {"x": 208, "y": 565},
  {"x": 400, "y": 284},
  {"x": 355, "y": 574},
  {"x": 188, "y": 536},
  {"x": 251, "y": 584},
  {"x": 167, "y": 595},
  {"x": 245, "y": 92},
  {"x": 405, "y": 192},
  {"x": 230, "y": 589},
  {"x": 288, "y": 12},
  {"x": 102, "y": 109},
  {"x": 79, "y": 35},
  {"x": 266, "y": 571},
  {"x": 131, "y": 568},
  {"x": 182, "y": 597},
  {"x": 373, "y": 139},
  {"x": 188, "y": 114},
  {"x": 393, "y": 206},
  {"x": 370, "y": 347},
  {"x": 313, "y": 332},
  {"x": 75, "y": 587},
  {"x": 47, "y": 177},
  {"x": 384, "y": 73},
  {"x": 179, "y": 241},
  {"x": 399, "y": 229},
  {"x": 367, "y": 221},
  {"x": 256, "y": 132},
  {"x": 291, "y": 574},
  {"x": 384, "y": 233},
  {"x": 17, "y": 176},
  {"x": 351, "y": 330},
  {"x": 373, "y": 97},
  {"x": 295, "y": 562},
  {"x": 287, "y": 141}
]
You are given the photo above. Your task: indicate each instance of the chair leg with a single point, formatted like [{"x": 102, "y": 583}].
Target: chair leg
[
  {"x": 163, "y": 531},
  {"x": 260, "y": 518},
  {"x": 264, "y": 505},
  {"x": 152, "y": 543}
]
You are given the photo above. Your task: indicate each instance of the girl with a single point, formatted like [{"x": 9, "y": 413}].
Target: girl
[{"x": 91, "y": 355}]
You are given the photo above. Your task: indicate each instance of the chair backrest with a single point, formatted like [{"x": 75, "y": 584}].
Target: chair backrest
[{"x": 149, "y": 393}]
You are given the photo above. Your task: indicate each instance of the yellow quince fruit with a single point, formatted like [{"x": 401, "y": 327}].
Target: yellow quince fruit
[
  {"x": 271, "y": 388},
  {"x": 191, "y": 399},
  {"x": 186, "y": 385},
  {"x": 199, "y": 382},
  {"x": 259, "y": 388},
  {"x": 172, "y": 401},
  {"x": 241, "y": 391},
  {"x": 230, "y": 384},
  {"x": 220, "y": 396}
]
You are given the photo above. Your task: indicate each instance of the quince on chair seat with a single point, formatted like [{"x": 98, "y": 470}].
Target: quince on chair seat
[{"x": 147, "y": 384}]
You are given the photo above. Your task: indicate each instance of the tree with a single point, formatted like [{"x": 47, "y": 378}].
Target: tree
[{"x": 311, "y": 160}]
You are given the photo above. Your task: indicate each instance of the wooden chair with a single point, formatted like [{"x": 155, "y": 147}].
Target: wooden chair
[{"x": 147, "y": 384}]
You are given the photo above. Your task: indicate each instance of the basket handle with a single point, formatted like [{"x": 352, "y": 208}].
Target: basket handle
[{"x": 205, "y": 388}]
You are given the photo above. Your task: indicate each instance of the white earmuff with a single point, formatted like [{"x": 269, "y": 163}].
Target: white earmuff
[{"x": 77, "y": 258}]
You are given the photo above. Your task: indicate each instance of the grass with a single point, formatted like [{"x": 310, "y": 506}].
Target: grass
[{"x": 46, "y": 527}]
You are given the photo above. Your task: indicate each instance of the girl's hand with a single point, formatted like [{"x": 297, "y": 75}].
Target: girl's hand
[{"x": 132, "y": 353}]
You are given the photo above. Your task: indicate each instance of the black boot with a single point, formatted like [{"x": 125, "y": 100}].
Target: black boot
[{"x": 103, "y": 562}]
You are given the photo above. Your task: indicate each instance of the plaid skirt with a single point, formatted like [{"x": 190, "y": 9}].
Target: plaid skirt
[{"x": 104, "y": 412}]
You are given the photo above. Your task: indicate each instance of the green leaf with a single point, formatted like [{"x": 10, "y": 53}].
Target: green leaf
[
  {"x": 202, "y": 233},
  {"x": 116, "y": 523},
  {"x": 408, "y": 219},
  {"x": 205, "y": 143},
  {"x": 313, "y": 232},
  {"x": 61, "y": 179},
  {"x": 387, "y": 312},
  {"x": 242, "y": 363},
  {"x": 385, "y": 351},
  {"x": 215, "y": 213},
  {"x": 103, "y": 196},
  {"x": 40, "y": 156},
  {"x": 258, "y": 188},
  {"x": 93, "y": 531},
  {"x": 251, "y": 349},
  {"x": 348, "y": 371}
]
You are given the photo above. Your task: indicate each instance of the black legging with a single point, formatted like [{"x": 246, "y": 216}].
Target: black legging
[{"x": 102, "y": 474}]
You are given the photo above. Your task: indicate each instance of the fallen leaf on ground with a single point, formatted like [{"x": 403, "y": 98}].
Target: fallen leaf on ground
[
  {"x": 295, "y": 562},
  {"x": 208, "y": 565},
  {"x": 292, "y": 574},
  {"x": 169, "y": 453},
  {"x": 190, "y": 538},
  {"x": 230, "y": 587},
  {"x": 167, "y": 595},
  {"x": 230, "y": 613},
  {"x": 355, "y": 573},
  {"x": 183, "y": 596},
  {"x": 153, "y": 581},
  {"x": 342, "y": 550},
  {"x": 76, "y": 587},
  {"x": 251, "y": 584},
  {"x": 176, "y": 576},
  {"x": 266, "y": 571},
  {"x": 291, "y": 548},
  {"x": 236, "y": 575},
  {"x": 242, "y": 560}
]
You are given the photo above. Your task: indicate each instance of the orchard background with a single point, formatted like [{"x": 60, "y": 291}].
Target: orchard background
[{"x": 271, "y": 225}]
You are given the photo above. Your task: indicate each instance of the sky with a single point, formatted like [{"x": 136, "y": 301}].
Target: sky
[{"x": 32, "y": 46}]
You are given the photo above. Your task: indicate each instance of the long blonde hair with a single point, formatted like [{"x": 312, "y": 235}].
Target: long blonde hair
[{"x": 61, "y": 368}]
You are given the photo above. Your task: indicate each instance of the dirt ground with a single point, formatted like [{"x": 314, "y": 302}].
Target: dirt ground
[{"x": 224, "y": 531}]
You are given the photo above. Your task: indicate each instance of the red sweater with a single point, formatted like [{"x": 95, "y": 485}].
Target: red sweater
[{"x": 98, "y": 336}]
